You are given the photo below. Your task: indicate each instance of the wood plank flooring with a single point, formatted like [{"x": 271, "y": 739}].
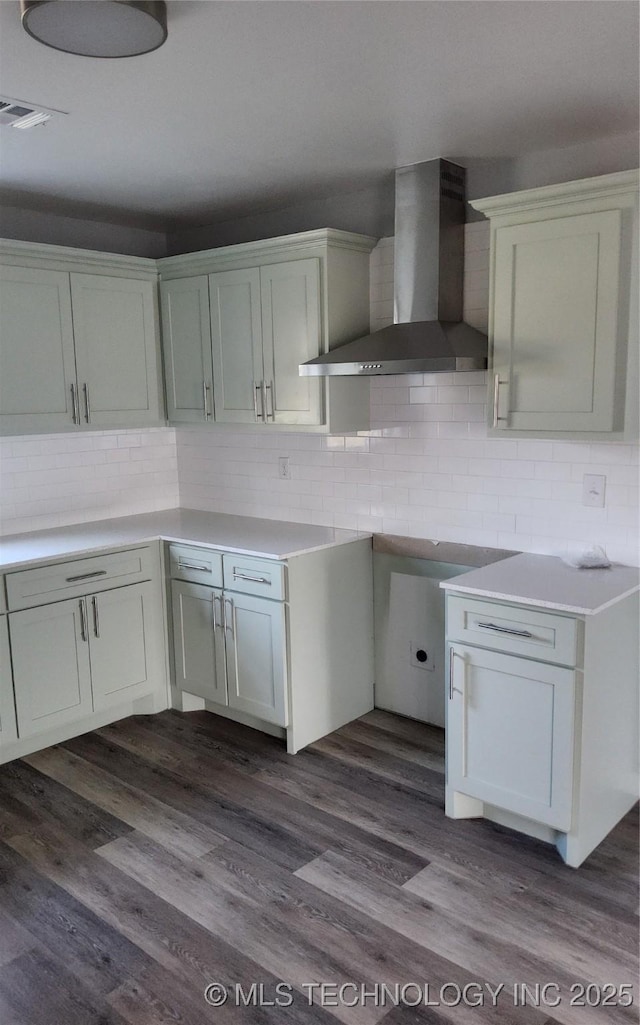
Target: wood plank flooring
[{"x": 144, "y": 861}]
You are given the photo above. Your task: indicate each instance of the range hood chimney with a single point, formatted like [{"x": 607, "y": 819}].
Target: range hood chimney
[{"x": 428, "y": 334}]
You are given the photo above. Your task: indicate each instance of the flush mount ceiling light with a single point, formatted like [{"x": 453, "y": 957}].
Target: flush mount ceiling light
[{"x": 97, "y": 28}]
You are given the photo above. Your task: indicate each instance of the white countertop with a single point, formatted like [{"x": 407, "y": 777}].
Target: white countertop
[
  {"x": 244, "y": 535},
  {"x": 547, "y": 582}
]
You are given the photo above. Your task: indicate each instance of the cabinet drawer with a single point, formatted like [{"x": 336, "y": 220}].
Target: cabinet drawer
[
  {"x": 254, "y": 576},
  {"x": 198, "y": 565},
  {"x": 31, "y": 587},
  {"x": 545, "y": 636}
]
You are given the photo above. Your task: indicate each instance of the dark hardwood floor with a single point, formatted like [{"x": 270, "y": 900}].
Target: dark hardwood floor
[{"x": 141, "y": 863}]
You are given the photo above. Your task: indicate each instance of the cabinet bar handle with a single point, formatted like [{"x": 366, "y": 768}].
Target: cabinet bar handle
[
  {"x": 83, "y": 620},
  {"x": 257, "y": 389},
  {"x": 87, "y": 407},
  {"x": 451, "y": 656},
  {"x": 206, "y": 394},
  {"x": 86, "y": 576},
  {"x": 504, "y": 630},
  {"x": 75, "y": 412},
  {"x": 268, "y": 389},
  {"x": 252, "y": 580},
  {"x": 96, "y": 619},
  {"x": 200, "y": 567},
  {"x": 229, "y": 626},
  {"x": 496, "y": 400}
]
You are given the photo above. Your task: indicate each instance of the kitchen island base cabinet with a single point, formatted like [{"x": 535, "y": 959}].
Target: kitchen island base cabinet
[
  {"x": 542, "y": 748},
  {"x": 8, "y": 731}
]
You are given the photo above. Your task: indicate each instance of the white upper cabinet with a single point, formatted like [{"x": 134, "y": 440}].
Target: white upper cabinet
[
  {"x": 273, "y": 305},
  {"x": 563, "y": 321},
  {"x": 236, "y": 333},
  {"x": 116, "y": 359},
  {"x": 291, "y": 336},
  {"x": 37, "y": 359},
  {"x": 79, "y": 340},
  {"x": 186, "y": 336}
]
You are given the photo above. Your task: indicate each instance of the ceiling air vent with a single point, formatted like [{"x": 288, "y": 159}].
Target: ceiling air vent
[{"x": 19, "y": 114}]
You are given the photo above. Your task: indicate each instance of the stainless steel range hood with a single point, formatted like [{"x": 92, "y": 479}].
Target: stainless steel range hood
[{"x": 428, "y": 334}]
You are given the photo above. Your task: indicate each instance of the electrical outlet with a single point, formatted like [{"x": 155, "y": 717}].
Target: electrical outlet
[
  {"x": 593, "y": 488},
  {"x": 284, "y": 470}
]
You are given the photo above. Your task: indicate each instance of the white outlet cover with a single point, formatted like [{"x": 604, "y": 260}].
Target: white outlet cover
[{"x": 593, "y": 490}]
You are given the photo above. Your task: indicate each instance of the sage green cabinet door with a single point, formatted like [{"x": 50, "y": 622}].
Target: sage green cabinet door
[
  {"x": 7, "y": 707},
  {"x": 124, "y": 635},
  {"x": 236, "y": 336},
  {"x": 186, "y": 341},
  {"x": 510, "y": 727},
  {"x": 198, "y": 641},
  {"x": 291, "y": 335},
  {"x": 256, "y": 659},
  {"x": 115, "y": 328},
  {"x": 51, "y": 675},
  {"x": 556, "y": 323},
  {"x": 37, "y": 361}
]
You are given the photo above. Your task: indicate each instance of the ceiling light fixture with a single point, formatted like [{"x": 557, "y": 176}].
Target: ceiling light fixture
[{"x": 97, "y": 28}]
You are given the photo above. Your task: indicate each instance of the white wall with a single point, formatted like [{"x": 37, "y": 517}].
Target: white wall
[
  {"x": 427, "y": 468},
  {"x": 55, "y": 479}
]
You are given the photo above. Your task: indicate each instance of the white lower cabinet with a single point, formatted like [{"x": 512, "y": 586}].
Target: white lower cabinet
[
  {"x": 230, "y": 649},
  {"x": 256, "y": 668},
  {"x": 542, "y": 717},
  {"x": 199, "y": 657},
  {"x": 82, "y": 655},
  {"x": 510, "y": 733},
  {"x": 7, "y": 705}
]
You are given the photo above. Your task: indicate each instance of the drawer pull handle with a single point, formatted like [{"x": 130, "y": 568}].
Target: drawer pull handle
[
  {"x": 200, "y": 567},
  {"x": 86, "y": 576},
  {"x": 252, "y": 580},
  {"x": 504, "y": 630}
]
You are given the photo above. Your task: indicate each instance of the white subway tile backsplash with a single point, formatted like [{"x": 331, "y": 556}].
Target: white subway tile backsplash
[{"x": 51, "y": 480}]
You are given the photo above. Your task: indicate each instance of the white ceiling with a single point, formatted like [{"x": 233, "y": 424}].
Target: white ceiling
[{"x": 251, "y": 105}]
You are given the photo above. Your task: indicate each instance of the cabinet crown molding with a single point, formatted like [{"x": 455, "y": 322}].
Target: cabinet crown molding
[
  {"x": 308, "y": 242},
  {"x": 68, "y": 258},
  {"x": 509, "y": 203}
]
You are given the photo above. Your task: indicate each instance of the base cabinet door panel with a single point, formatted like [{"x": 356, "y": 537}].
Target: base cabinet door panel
[
  {"x": 510, "y": 733},
  {"x": 52, "y": 677},
  {"x": 123, "y": 627},
  {"x": 37, "y": 361},
  {"x": 8, "y": 730},
  {"x": 256, "y": 663},
  {"x": 198, "y": 641}
]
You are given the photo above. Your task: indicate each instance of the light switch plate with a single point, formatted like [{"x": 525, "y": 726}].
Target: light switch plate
[
  {"x": 284, "y": 470},
  {"x": 593, "y": 489}
]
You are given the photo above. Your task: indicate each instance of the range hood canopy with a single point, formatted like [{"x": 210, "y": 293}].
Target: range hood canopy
[{"x": 428, "y": 334}]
